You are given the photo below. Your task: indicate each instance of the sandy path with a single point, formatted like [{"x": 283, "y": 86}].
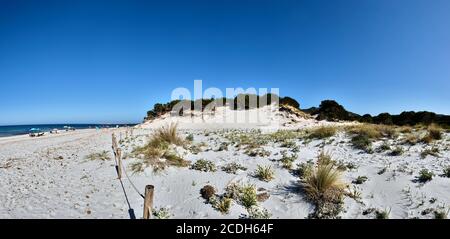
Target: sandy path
[{"x": 38, "y": 183}]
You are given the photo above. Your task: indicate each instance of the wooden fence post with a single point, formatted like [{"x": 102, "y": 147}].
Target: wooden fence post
[
  {"x": 119, "y": 163},
  {"x": 148, "y": 201}
]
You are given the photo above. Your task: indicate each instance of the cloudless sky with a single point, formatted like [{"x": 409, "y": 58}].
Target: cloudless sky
[{"x": 110, "y": 61}]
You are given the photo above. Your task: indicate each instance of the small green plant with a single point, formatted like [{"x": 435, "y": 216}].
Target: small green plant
[
  {"x": 161, "y": 213},
  {"x": 441, "y": 214},
  {"x": 425, "y": 176},
  {"x": 361, "y": 142},
  {"x": 264, "y": 173},
  {"x": 287, "y": 160},
  {"x": 247, "y": 196},
  {"x": 224, "y": 205},
  {"x": 190, "y": 137},
  {"x": 256, "y": 212},
  {"x": 397, "y": 151},
  {"x": 447, "y": 172},
  {"x": 382, "y": 214},
  {"x": 233, "y": 168},
  {"x": 360, "y": 180},
  {"x": 204, "y": 165}
]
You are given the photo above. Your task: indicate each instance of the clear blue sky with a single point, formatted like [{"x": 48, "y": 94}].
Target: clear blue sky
[{"x": 110, "y": 61}]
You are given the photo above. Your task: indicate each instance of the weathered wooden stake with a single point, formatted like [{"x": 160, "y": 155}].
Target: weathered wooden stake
[
  {"x": 148, "y": 201},
  {"x": 119, "y": 163}
]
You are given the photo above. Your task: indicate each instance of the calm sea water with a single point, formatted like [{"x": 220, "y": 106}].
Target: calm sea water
[{"x": 25, "y": 129}]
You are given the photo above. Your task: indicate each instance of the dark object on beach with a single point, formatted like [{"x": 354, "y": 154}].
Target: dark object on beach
[{"x": 207, "y": 192}]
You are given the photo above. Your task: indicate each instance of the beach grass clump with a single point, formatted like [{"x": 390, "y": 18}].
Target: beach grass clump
[
  {"x": 160, "y": 147},
  {"x": 169, "y": 134},
  {"x": 204, "y": 165},
  {"x": 223, "y": 205},
  {"x": 382, "y": 214},
  {"x": 434, "y": 132},
  {"x": 322, "y": 132},
  {"x": 324, "y": 187},
  {"x": 104, "y": 156},
  {"x": 323, "y": 183},
  {"x": 233, "y": 168},
  {"x": 411, "y": 139},
  {"x": 265, "y": 173},
  {"x": 425, "y": 175},
  {"x": 364, "y": 134},
  {"x": 434, "y": 151},
  {"x": 397, "y": 151},
  {"x": 247, "y": 196}
]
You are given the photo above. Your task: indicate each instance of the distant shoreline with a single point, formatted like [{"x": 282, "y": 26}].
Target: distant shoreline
[{"x": 17, "y": 130}]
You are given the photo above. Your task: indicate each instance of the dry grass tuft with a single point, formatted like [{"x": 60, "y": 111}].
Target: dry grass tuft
[
  {"x": 324, "y": 187},
  {"x": 324, "y": 183},
  {"x": 169, "y": 134},
  {"x": 434, "y": 132},
  {"x": 159, "y": 148},
  {"x": 323, "y": 132}
]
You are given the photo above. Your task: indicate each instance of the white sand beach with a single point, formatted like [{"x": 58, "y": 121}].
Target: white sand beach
[{"x": 52, "y": 176}]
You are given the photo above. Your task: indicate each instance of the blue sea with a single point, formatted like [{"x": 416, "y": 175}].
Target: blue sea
[{"x": 12, "y": 130}]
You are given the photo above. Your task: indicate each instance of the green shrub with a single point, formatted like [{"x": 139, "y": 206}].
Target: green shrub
[
  {"x": 447, "y": 172},
  {"x": 264, "y": 173},
  {"x": 247, "y": 196},
  {"x": 425, "y": 176},
  {"x": 233, "y": 168},
  {"x": 258, "y": 213},
  {"x": 204, "y": 165},
  {"x": 361, "y": 142},
  {"x": 287, "y": 160},
  {"x": 224, "y": 205},
  {"x": 382, "y": 214}
]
